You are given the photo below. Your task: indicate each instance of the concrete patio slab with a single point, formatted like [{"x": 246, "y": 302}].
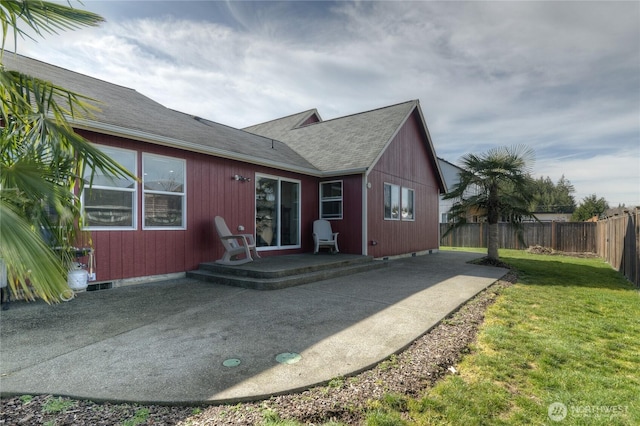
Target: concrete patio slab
[{"x": 190, "y": 342}]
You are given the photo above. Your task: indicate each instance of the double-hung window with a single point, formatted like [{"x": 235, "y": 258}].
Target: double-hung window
[
  {"x": 331, "y": 200},
  {"x": 164, "y": 187},
  {"x": 399, "y": 203},
  {"x": 110, "y": 202}
]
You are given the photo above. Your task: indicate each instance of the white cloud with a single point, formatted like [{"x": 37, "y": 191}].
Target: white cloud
[
  {"x": 563, "y": 77},
  {"x": 615, "y": 176}
]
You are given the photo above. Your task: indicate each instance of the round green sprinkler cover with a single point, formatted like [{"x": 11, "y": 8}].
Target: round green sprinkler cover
[
  {"x": 231, "y": 362},
  {"x": 288, "y": 358}
]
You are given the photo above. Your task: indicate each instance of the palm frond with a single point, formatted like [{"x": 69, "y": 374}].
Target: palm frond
[
  {"x": 42, "y": 159},
  {"x": 23, "y": 96},
  {"x": 43, "y": 17},
  {"x": 32, "y": 266},
  {"x": 493, "y": 184}
]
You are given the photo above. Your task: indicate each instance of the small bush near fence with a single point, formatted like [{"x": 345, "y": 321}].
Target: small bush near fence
[{"x": 615, "y": 239}]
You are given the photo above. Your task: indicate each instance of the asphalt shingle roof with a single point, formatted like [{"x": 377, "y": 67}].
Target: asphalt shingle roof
[
  {"x": 342, "y": 144},
  {"x": 349, "y": 144},
  {"x": 124, "y": 109},
  {"x": 280, "y": 127}
]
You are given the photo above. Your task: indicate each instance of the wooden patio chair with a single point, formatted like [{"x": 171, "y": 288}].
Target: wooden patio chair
[
  {"x": 235, "y": 245},
  {"x": 323, "y": 236}
]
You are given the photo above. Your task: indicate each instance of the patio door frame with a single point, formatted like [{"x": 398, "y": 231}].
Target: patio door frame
[{"x": 279, "y": 207}]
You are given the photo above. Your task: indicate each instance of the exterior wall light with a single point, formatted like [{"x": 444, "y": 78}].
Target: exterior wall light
[{"x": 241, "y": 178}]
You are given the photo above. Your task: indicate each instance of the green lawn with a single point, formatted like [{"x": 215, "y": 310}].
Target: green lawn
[{"x": 562, "y": 346}]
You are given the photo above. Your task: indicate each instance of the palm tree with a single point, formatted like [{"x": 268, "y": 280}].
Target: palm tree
[
  {"x": 42, "y": 159},
  {"x": 493, "y": 185}
]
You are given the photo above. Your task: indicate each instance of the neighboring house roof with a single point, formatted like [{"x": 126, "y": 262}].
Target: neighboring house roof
[
  {"x": 549, "y": 217},
  {"x": 619, "y": 211},
  {"x": 351, "y": 143},
  {"x": 450, "y": 172},
  {"x": 125, "y": 112},
  {"x": 451, "y": 175}
]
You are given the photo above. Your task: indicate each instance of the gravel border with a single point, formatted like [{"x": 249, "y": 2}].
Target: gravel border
[{"x": 344, "y": 399}]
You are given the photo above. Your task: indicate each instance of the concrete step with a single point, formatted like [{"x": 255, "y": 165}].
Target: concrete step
[
  {"x": 283, "y": 273},
  {"x": 287, "y": 265}
]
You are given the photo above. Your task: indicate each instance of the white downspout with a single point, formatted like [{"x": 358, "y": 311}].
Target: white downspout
[{"x": 365, "y": 236}]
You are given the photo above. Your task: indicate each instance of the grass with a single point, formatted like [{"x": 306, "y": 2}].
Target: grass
[
  {"x": 139, "y": 417},
  {"x": 57, "y": 405},
  {"x": 568, "y": 332},
  {"x": 561, "y": 346},
  {"x": 25, "y": 399}
]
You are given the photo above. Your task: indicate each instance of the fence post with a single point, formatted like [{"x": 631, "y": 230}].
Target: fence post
[{"x": 636, "y": 227}]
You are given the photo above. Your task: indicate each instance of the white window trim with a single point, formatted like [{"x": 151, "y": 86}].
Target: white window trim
[
  {"x": 341, "y": 199},
  {"x": 183, "y": 194},
  {"x": 279, "y": 223},
  {"x": 134, "y": 190}
]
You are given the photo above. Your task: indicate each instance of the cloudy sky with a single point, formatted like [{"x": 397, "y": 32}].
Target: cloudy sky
[{"x": 560, "y": 77}]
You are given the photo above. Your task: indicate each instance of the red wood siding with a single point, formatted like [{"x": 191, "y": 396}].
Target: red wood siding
[
  {"x": 211, "y": 191},
  {"x": 313, "y": 119},
  {"x": 406, "y": 163},
  {"x": 350, "y": 226}
]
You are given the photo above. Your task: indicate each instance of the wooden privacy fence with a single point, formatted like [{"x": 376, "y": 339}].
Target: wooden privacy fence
[
  {"x": 561, "y": 236},
  {"x": 618, "y": 242},
  {"x": 616, "y": 239}
]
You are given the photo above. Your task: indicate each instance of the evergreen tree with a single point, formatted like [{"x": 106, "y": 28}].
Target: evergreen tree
[
  {"x": 552, "y": 198},
  {"x": 591, "y": 206}
]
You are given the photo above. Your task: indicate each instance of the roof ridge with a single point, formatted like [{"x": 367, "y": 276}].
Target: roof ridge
[
  {"x": 414, "y": 101},
  {"x": 305, "y": 117},
  {"x": 284, "y": 118}
]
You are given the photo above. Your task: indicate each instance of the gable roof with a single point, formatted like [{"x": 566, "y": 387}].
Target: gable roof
[
  {"x": 127, "y": 113},
  {"x": 300, "y": 142},
  {"x": 352, "y": 143},
  {"x": 280, "y": 127},
  {"x": 347, "y": 143}
]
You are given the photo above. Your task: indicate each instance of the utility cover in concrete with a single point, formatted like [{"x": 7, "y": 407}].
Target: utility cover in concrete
[
  {"x": 288, "y": 358},
  {"x": 231, "y": 362}
]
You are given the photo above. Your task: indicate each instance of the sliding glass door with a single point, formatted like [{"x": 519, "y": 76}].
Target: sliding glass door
[{"x": 277, "y": 212}]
